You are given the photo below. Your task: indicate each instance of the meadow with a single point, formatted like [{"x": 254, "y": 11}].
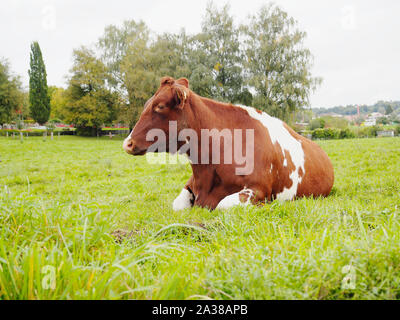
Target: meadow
[{"x": 80, "y": 219}]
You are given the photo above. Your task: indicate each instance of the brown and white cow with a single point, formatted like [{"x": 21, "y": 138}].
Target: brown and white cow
[{"x": 285, "y": 166}]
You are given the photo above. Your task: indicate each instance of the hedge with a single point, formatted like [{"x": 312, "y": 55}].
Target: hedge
[
  {"x": 348, "y": 133},
  {"x": 33, "y": 133}
]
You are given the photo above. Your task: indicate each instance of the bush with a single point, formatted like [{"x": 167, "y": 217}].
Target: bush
[
  {"x": 87, "y": 131},
  {"x": 34, "y": 133},
  {"x": 317, "y": 123},
  {"x": 17, "y": 132},
  {"x": 367, "y": 132},
  {"x": 331, "y": 133},
  {"x": 346, "y": 134},
  {"x": 327, "y": 133},
  {"x": 397, "y": 130},
  {"x": 55, "y": 120}
]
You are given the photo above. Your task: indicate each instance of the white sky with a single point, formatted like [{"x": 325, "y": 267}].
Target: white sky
[{"x": 356, "y": 44}]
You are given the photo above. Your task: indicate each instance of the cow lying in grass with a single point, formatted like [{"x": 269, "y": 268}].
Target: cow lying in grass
[{"x": 261, "y": 158}]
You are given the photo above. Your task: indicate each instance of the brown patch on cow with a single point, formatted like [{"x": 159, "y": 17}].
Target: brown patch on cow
[{"x": 301, "y": 173}]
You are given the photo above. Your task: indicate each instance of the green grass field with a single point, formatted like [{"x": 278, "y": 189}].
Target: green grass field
[{"x": 61, "y": 201}]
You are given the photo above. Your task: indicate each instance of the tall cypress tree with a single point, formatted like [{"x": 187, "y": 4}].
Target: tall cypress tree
[{"x": 39, "y": 98}]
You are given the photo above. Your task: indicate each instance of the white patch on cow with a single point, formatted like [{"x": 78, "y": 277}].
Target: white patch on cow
[
  {"x": 234, "y": 199},
  {"x": 279, "y": 134},
  {"x": 183, "y": 201},
  {"x": 128, "y": 137},
  {"x": 270, "y": 170},
  {"x": 285, "y": 163}
]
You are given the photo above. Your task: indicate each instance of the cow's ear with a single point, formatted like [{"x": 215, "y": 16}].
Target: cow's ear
[
  {"x": 182, "y": 93},
  {"x": 183, "y": 82},
  {"x": 167, "y": 80}
]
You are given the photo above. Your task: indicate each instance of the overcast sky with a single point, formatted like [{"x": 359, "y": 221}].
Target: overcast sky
[{"x": 356, "y": 44}]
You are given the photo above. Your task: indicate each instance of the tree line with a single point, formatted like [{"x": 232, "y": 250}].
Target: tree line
[
  {"x": 262, "y": 63},
  {"x": 384, "y": 107}
]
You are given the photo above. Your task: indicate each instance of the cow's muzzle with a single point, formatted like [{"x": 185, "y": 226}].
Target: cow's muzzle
[{"x": 130, "y": 147}]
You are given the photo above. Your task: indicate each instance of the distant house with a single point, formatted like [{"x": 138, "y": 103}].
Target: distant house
[
  {"x": 371, "y": 119},
  {"x": 369, "y": 122},
  {"x": 386, "y": 133}
]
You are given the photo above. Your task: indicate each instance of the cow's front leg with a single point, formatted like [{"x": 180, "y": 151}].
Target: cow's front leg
[
  {"x": 241, "y": 198},
  {"x": 210, "y": 199},
  {"x": 206, "y": 200},
  {"x": 186, "y": 197}
]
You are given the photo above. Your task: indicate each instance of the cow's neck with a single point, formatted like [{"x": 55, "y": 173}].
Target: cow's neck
[
  {"x": 205, "y": 113},
  {"x": 209, "y": 114}
]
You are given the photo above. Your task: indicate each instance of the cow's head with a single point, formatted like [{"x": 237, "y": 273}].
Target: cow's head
[{"x": 166, "y": 105}]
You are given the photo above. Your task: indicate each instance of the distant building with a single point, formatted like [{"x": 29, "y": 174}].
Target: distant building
[
  {"x": 386, "y": 133},
  {"x": 369, "y": 122},
  {"x": 371, "y": 119}
]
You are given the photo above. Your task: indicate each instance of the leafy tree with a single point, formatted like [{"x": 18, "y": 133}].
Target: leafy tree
[
  {"x": 115, "y": 44},
  {"x": 10, "y": 93},
  {"x": 335, "y": 122},
  {"x": 271, "y": 62},
  {"x": 277, "y": 63},
  {"x": 140, "y": 80},
  {"x": 317, "y": 123},
  {"x": 124, "y": 52},
  {"x": 58, "y": 102},
  {"x": 90, "y": 103},
  {"x": 38, "y": 92},
  {"x": 26, "y": 112},
  {"x": 169, "y": 55},
  {"x": 217, "y": 58},
  {"x": 304, "y": 115},
  {"x": 388, "y": 109},
  {"x": 364, "y": 109},
  {"x": 383, "y": 120}
]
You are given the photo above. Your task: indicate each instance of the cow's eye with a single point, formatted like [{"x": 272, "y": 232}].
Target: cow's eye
[{"x": 160, "y": 108}]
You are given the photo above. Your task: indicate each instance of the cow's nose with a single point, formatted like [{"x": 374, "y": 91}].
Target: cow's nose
[{"x": 129, "y": 145}]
